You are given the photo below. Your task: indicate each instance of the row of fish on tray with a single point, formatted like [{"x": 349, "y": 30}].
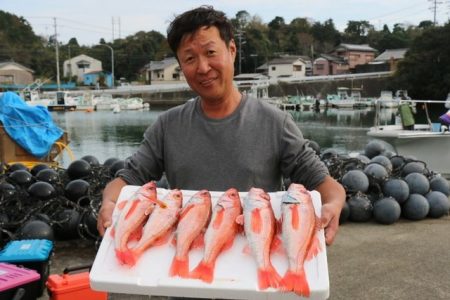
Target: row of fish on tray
[{"x": 150, "y": 221}]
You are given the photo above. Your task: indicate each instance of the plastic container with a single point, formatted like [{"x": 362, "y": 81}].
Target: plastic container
[
  {"x": 32, "y": 254},
  {"x": 19, "y": 283},
  {"x": 235, "y": 275},
  {"x": 73, "y": 286}
]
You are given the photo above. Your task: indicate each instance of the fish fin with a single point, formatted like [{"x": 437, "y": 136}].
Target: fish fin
[
  {"x": 174, "y": 241},
  {"x": 185, "y": 210},
  {"x": 198, "y": 242},
  {"x": 203, "y": 271},
  {"x": 277, "y": 245},
  {"x": 314, "y": 247},
  {"x": 130, "y": 257},
  {"x": 295, "y": 219},
  {"x": 134, "y": 204},
  {"x": 268, "y": 278},
  {"x": 163, "y": 239},
  {"x": 149, "y": 209},
  {"x": 295, "y": 282},
  {"x": 240, "y": 220},
  {"x": 112, "y": 233},
  {"x": 121, "y": 205},
  {"x": 136, "y": 234},
  {"x": 219, "y": 218},
  {"x": 179, "y": 267},
  {"x": 256, "y": 221}
]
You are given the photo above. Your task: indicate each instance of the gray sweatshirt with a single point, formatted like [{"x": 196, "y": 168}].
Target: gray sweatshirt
[{"x": 256, "y": 146}]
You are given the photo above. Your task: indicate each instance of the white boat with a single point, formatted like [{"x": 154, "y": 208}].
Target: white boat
[
  {"x": 104, "y": 102},
  {"x": 134, "y": 103},
  {"x": 429, "y": 143},
  {"x": 343, "y": 100},
  {"x": 386, "y": 99}
]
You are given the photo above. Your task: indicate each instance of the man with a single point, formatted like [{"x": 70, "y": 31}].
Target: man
[{"x": 222, "y": 139}]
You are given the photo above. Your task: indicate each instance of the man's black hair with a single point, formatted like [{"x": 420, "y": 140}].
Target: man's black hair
[{"x": 190, "y": 21}]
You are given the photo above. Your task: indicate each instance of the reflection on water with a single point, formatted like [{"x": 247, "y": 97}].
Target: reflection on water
[{"x": 105, "y": 134}]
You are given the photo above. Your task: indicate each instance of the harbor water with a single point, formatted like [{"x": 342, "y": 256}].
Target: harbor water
[{"x": 105, "y": 134}]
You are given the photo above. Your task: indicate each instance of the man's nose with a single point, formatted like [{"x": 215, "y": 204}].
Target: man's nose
[{"x": 203, "y": 65}]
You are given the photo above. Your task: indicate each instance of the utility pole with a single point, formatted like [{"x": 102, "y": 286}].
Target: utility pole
[
  {"x": 58, "y": 82},
  {"x": 112, "y": 21},
  {"x": 434, "y": 6},
  {"x": 241, "y": 40}
]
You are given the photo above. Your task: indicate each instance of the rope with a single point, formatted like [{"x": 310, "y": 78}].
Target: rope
[{"x": 63, "y": 146}]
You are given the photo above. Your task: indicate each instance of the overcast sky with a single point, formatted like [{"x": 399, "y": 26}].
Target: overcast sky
[{"x": 90, "y": 20}]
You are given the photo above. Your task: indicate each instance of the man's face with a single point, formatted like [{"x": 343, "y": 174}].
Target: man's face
[{"x": 207, "y": 63}]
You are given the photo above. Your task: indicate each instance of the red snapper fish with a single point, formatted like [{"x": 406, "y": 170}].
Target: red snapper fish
[
  {"x": 193, "y": 219},
  {"x": 300, "y": 226},
  {"x": 158, "y": 227},
  {"x": 133, "y": 213},
  {"x": 259, "y": 226},
  {"x": 220, "y": 233}
]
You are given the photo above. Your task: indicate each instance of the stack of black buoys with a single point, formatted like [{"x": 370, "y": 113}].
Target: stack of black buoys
[
  {"x": 384, "y": 187},
  {"x": 53, "y": 203}
]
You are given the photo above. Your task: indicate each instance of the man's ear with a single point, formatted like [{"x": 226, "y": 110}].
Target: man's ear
[{"x": 232, "y": 49}]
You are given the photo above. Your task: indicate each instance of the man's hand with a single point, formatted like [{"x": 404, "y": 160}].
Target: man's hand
[
  {"x": 330, "y": 221},
  {"x": 110, "y": 195},
  {"x": 105, "y": 216}
]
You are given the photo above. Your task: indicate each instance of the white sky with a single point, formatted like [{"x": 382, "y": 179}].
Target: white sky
[{"x": 90, "y": 20}]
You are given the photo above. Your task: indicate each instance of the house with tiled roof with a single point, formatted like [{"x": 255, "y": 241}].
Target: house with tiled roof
[
  {"x": 355, "y": 54},
  {"x": 167, "y": 69},
  {"x": 328, "y": 64},
  {"x": 391, "y": 57},
  {"x": 289, "y": 66}
]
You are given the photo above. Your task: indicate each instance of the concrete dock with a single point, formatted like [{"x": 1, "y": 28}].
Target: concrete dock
[{"x": 406, "y": 260}]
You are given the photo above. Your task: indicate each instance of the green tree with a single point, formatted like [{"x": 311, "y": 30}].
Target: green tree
[
  {"x": 356, "y": 32},
  {"x": 425, "y": 71}
]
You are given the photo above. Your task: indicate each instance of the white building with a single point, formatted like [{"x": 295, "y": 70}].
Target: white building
[
  {"x": 167, "y": 69},
  {"x": 80, "y": 65},
  {"x": 288, "y": 66}
]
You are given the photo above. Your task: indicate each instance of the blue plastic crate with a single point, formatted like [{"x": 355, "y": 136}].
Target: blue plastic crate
[{"x": 32, "y": 254}]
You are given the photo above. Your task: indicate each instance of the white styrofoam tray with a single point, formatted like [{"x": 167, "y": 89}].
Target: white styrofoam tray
[{"x": 235, "y": 275}]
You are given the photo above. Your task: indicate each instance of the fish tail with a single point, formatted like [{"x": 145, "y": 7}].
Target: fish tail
[
  {"x": 295, "y": 282},
  {"x": 179, "y": 267},
  {"x": 131, "y": 257},
  {"x": 268, "y": 278},
  {"x": 203, "y": 271}
]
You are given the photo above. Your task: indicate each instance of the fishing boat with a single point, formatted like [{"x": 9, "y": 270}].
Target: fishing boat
[
  {"x": 342, "y": 99},
  {"x": 426, "y": 142}
]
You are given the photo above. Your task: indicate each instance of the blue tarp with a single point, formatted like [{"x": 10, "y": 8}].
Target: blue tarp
[{"x": 31, "y": 127}]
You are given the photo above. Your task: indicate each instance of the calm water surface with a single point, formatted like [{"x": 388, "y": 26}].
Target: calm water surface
[{"x": 105, "y": 134}]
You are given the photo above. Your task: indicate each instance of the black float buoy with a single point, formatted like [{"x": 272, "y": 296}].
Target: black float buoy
[
  {"x": 396, "y": 188},
  {"x": 345, "y": 213},
  {"x": 78, "y": 169},
  {"x": 418, "y": 183},
  {"x": 440, "y": 184},
  {"x": 416, "y": 207},
  {"x": 67, "y": 225},
  {"x": 384, "y": 161},
  {"x": 439, "y": 204},
  {"x": 360, "y": 208},
  {"x": 7, "y": 189},
  {"x": 16, "y": 167},
  {"x": 110, "y": 161},
  {"x": 377, "y": 172},
  {"x": 355, "y": 181},
  {"x": 92, "y": 160},
  {"x": 386, "y": 211},
  {"x": 118, "y": 165},
  {"x": 37, "y": 168},
  {"x": 76, "y": 189},
  {"x": 374, "y": 148},
  {"x": 42, "y": 190},
  {"x": 21, "y": 177},
  {"x": 414, "y": 167},
  {"x": 397, "y": 162},
  {"x": 48, "y": 175},
  {"x": 36, "y": 229}
]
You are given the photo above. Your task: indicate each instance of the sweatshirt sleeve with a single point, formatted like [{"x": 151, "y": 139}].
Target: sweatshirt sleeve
[
  {"x": 299, "y": 162},
  {"x": 147, "y": 163}
]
